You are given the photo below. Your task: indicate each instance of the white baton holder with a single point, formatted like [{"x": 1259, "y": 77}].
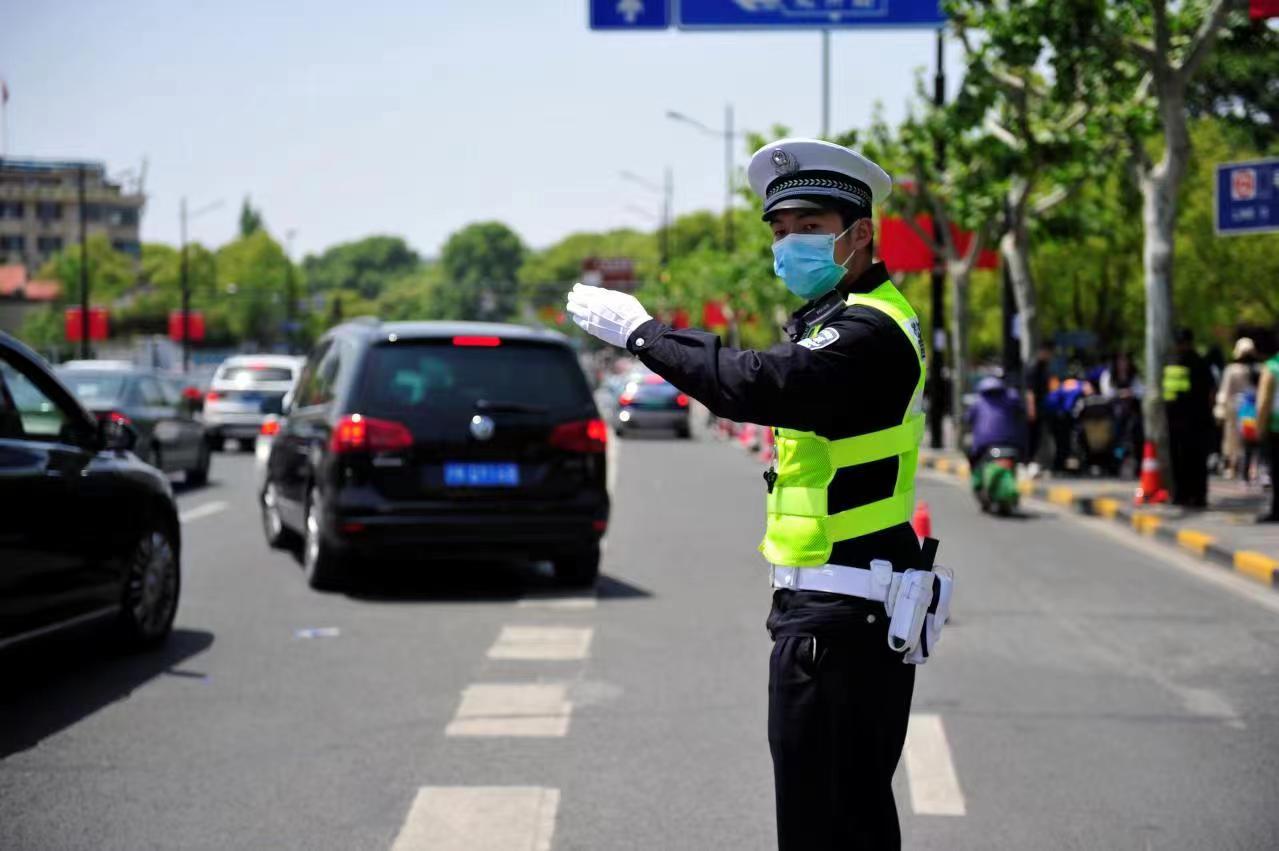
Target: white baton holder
[
  {"x": 914, "y": 594},
  {"x": 943, "y": 584}
]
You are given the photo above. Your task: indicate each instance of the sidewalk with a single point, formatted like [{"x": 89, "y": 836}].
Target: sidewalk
[{"x": 1226, "y": 533}]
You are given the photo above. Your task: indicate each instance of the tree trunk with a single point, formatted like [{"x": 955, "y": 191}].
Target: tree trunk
[
  {"x": 960, "y": 275},
  {"x": 1014, "y": 247},
  {"x": 1159, "y": 214}
]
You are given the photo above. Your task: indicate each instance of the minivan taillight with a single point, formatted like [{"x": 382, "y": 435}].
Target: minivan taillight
[
  {"x": 580, "y": 436},
  {"x": 358, "y": 433}
]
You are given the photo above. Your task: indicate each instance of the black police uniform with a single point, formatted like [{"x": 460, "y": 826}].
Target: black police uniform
[
  {"x": 839, "y": 698},
  {"x": 1191, "y": 436}
]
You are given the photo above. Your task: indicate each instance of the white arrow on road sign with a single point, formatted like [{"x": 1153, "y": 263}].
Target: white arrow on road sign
[{"x": 630, "y": 9}]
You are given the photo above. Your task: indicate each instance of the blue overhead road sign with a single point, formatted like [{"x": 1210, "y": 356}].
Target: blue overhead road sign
[
  {"x": 1248, "y": 197},
  {"x": 630, "y": 14},
  {"x": 808, "y": 14}
]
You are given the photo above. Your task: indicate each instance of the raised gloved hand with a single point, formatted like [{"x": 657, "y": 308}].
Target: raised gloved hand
[{"x": 608, "y": 314}]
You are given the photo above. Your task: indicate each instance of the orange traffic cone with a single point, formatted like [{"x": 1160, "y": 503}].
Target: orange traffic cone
[
  {"x": 922, "y": 521},
  {"x": 1151, "y": 489}
]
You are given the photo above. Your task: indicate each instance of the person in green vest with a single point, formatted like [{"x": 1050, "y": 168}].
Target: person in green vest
[
  {"x": 1189, "y": 394},
  {"x": 843, "y": 396},
  {"x": 1268, "y": 416}
]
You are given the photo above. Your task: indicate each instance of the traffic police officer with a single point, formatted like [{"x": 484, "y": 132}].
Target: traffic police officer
[
  {"x": 843, "y": 396},
  {"x": 1189, "y": 390}
]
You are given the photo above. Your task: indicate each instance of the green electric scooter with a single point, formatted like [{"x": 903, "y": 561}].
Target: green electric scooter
[{"x": 994, "y": 481}]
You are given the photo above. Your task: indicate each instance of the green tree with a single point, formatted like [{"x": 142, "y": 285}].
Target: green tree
[
  {"x": 366, "y": 266},
  {"x": 250, "y": 219},
  {"x": 1239, "y": 81},
  {"x": 252, "y": 284},
  {"x": 480, "y": 265},
  {"x": 412, "y": 296},
  {"x": 110, "y": 272},
  {"x": 546, "y": 275}
]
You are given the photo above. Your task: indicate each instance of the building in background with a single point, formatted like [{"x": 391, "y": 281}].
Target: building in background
[{"x": 40, "y": 209}]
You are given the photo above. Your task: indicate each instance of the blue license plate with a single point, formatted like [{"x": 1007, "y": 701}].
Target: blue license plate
[{"x": 459, "y": 475}]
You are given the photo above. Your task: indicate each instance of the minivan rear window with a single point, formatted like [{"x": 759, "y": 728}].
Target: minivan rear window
[
  {"x": 255, "y": 374},
  {"x": 426, "y": 377}
]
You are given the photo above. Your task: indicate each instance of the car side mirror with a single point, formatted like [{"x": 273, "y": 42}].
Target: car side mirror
[{"x": 115, "y": 435}]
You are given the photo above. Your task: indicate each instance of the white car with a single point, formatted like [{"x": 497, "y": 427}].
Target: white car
[{"x": 245, "y": 390}]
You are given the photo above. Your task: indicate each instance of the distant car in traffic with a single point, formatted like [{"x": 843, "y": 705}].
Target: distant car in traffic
[
  {"x": 439, "y": 441},
  {"x": 170, "y": 437},
  {"x": 87, "y": 530},
  {"x": 245, "y": 390},
  {"x": 649, "y": 402}
]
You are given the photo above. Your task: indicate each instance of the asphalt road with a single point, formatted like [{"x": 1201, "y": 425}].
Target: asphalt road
[{"x": 1089, "y": 694}]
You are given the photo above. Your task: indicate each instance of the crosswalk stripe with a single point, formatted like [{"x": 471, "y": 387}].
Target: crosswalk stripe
[
  {"x": 558, "y": 601},
  {"x": 542, "y": 643},
  {"x": 479, "y": 818},
  {"x": 199, "y": 511},
  {"x": 512, "y": 709},
  {"x": 934, "y": 787}
]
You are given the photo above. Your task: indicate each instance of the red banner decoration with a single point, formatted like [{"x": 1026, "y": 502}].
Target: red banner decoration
[
  {"x": 195, "y": 326},
  {"x": 98, "y": 324},
  {"x": 902, "y": 250},
  {"x": 1261, "y": 9},
  {"x": 713, "y": 315}
]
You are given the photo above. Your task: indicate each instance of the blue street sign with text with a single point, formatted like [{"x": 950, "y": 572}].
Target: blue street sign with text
[
  {"x": 808, "y": 14},
  {"x": 630, "y": 14},
  {"x": 1248, "y": 197}
]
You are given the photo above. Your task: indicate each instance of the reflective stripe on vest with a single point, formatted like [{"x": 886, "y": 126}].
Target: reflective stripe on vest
[
  {"x": 1176, "y": 381},
  {"x": 800, "y": 531}
]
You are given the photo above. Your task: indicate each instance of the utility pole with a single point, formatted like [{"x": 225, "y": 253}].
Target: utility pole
[
  {"x": 84, "y": 268},
  {"x": 186, "y": 292},
  {"x": 936, "y": 396},
  {"x": 1012, "y": 350},
  {"x": 728, "y": 176},
  {"x": 668, "y": 191},
  {"x": 290, "y": 295}
]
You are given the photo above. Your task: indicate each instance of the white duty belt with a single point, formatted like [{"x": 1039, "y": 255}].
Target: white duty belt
[{"x": 916, "y": 601}]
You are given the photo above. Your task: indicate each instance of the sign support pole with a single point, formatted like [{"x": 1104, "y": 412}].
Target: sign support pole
[
  {"x": 825, "y": 84},
  {"x": 936, "y": 396}
]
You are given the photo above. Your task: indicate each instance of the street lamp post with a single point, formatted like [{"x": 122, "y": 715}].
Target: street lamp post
[
  {"x": 666, "y": 190},
  {"x": 186, "y": 281},
  {"x": 290, "y": 307},
  {"x": 729, "y": 137}
]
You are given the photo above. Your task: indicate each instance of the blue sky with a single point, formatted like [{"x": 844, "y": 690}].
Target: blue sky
[{"x": 415, "y": 118}]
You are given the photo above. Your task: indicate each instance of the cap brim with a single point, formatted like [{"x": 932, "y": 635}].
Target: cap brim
[{"x": 796, "y": 204}]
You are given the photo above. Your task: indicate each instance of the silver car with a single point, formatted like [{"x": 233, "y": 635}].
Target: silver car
[{"x": 245, "y": 390}]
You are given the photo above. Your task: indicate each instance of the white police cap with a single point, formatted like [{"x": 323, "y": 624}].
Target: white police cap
[{"x": 811, "y": 174}]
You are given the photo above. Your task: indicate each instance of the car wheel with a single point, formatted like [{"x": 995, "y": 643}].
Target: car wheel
[
  {"x": 579, "y": 569},
  {"x": 151, "y": 589},
  {"x": 199, "y": 474},
  {"x": 278, "y": 536},
  {"x": 321, "y": 564},
  {"x": 684, "y": 433},
  {"x": 216, "y": 443}
]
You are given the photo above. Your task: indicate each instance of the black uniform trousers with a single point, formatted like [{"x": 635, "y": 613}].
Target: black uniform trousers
[
  {"x": 1189, "y": 446},
  {"x": 838, "y": 706}
]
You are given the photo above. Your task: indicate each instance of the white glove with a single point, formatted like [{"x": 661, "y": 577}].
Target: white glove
[{"x": 608, "y": 314}]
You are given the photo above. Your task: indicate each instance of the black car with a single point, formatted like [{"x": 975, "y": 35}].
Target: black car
[
  {"x": 648, "y": 401},
  {"x": 169, "y": 435},
  {"x": 87, "y": 530},
  {"x": 435, "y": 441}
]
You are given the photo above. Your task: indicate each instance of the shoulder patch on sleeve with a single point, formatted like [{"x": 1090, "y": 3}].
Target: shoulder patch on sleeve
[{"x": 821, "y": 339}]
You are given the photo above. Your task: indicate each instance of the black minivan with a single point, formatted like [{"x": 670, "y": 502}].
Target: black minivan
[{"x": 436, "y": 441}]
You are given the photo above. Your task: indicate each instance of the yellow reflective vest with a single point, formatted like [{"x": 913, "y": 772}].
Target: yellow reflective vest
[{"x": 800, "y": 531}]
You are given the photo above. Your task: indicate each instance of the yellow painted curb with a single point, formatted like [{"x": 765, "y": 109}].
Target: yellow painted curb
[
  {"x": 1145, "y": 523},
  {"x": 1256, "y": 565},
  {"x": 1194, "y": 541},
  {"x": 942, "y": 464},
  {"x": 1025, "y": 487},
  {"x": 1061, "y": 496},
  {"x": 1106, "y": 507}
]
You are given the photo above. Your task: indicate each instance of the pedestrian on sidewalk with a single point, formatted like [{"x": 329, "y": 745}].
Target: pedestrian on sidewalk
[
  {"x": 1189, "y": 397},
  {"x": 844, "y": 398},
  {"x": 1121, "y": 384},
  {"x": 1237, "y": 393},
  {"x": 1268, "y": 413}
]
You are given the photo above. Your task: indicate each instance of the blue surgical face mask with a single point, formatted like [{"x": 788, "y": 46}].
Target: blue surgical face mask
[{"x": 806, "y": 262}]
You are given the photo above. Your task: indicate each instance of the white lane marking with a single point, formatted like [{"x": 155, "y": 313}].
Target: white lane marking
[
  {"x": 934, "y": 788},
  {"x": 542, "y": 643},
  {"x": 558, "y": 601},
  {"x": 199, "y": 511},
  {"x": 480, "y": 818},
  {"x": 508, "y": 709}
]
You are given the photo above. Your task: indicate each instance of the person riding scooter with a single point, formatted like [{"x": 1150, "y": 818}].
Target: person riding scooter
[{"x": 997, "y": 425}]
